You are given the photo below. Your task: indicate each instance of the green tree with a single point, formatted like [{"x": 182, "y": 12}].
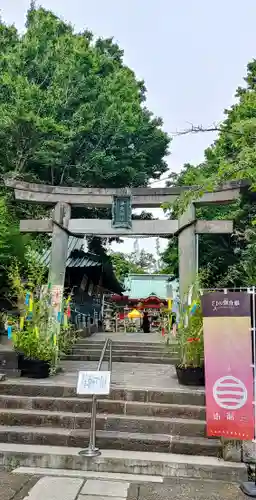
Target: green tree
[
  {"x": 143, "y": 260},
  {"x": 229, "y": 260},
  {"x": 233, "y": 154},
  {"x": 71, "y": 112},
  {"x": 123, "y": 266},
  {"x": 132, "y": 263},
  {"x": 12, "y": 243},
  {"x": 223, "y": 258}
]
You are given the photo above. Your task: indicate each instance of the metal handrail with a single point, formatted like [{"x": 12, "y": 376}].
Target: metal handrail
[{"x": 92, "y": 451}]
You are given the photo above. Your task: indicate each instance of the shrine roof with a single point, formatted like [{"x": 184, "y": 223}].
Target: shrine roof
[{"x": 78, "y": 258}]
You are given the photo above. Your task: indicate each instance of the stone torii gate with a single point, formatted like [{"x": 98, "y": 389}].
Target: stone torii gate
[{"x": 61, "y": 225}]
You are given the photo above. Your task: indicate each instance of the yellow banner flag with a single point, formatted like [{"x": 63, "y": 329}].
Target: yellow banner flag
[
  {"x": 30, "y": 307},
  {"x": 169, "y": 304},
  {"x": 21, "y": 322}
]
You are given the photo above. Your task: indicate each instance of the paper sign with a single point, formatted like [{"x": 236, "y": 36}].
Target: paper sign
[
  {"x": 93, "y": 382},
  {"x": 57, "y": 292}
]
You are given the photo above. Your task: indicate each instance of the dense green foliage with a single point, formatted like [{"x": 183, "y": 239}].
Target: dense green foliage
[
  {"x": 12, "y": 243},
  {"x": 227, "y": 260},
  {"x": 14, "y": 246},
  {"x": 234, "y": 153},
  {"x": 71, "y": 112}
]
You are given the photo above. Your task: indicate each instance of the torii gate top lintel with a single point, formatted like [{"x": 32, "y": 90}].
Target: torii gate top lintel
[{"x": 145, "y": 197}]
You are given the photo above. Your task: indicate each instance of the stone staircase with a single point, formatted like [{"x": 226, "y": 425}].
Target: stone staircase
[
  {"x": 139, "y": 431},
  {"x": 127, "y": 352}
]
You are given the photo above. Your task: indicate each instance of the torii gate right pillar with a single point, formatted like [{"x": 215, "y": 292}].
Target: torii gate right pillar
[{"x": 187, "y": 249}]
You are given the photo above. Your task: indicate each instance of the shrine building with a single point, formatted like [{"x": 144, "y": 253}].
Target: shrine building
[{"x": 146, "y": 292}]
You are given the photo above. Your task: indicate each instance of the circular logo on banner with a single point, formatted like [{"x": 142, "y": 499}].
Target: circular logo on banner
[{"x": 229, "y": 393}]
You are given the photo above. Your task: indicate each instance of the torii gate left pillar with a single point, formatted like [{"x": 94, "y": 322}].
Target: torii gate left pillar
[{"x": 59, "y": 249}]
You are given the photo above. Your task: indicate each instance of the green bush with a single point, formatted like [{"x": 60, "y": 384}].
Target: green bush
[
  {"x": 37, "y": 335},
  {"x": 190, "y": 331}
]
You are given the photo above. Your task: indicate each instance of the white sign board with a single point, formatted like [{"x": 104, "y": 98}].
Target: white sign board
[{"x": 90, "y": 383}]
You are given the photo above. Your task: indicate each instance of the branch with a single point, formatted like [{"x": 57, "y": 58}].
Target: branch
[
  {"x": 194, "y": 129},
  {"x": 221, "y": 127}
]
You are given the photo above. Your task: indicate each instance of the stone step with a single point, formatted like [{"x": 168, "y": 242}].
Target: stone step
[
  {"x": 109, "y": 476},
  {"x": 104, "y": 422},
  {"x": 126, "y": 343},
  {"x": 159, "y": 360},
  {"x": 120, "y": 352},
  {"x": 181, "y": 396},
  {"x": 121, "y": 461},
  {"x": 129, "y": 346},
  {"x": 111, "y": 440},
  {"x": 81, "y": 405}
]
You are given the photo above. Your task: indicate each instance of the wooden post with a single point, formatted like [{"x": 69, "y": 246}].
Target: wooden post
[
  {"x": 59, "y": 251},
  {"x": 187, "y": 250}
]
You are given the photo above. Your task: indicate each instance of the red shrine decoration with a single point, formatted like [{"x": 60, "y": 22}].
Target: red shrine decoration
[
  {"x": 152, "y": 305},
  {"x": 151, "y": 302}
]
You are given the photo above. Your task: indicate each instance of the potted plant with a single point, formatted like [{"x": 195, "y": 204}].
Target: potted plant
[
  {"x": 36, "y": 352},
  {"x": 190, "y": 370},
  {"x": 36, "y": 336}
]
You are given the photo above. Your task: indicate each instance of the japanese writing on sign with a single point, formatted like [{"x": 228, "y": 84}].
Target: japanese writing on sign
[
  {"x": 216, "y": 304},
  {"x": 230, "y": 416},
  {"x": 93, "y": 382}
]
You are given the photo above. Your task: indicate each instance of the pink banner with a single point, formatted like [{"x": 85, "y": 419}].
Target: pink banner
[{"x": 228, "y": 365}]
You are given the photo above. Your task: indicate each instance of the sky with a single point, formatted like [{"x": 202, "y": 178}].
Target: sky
[{"x": 191, "y": 54}]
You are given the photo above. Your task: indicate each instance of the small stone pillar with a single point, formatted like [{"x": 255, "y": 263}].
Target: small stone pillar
[
  {"x": 232, "y": 450},
  {"x": 108, "y": 319},
  {"x": 249, "y": 452}
]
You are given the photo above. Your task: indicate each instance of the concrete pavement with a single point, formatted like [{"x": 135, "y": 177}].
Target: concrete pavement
[
  {"x": 15, "y": 487},
  {"x": 25, "y": 487},
  {"x": 185, "y": 489},
  {"x": 125, "y": 375}
]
